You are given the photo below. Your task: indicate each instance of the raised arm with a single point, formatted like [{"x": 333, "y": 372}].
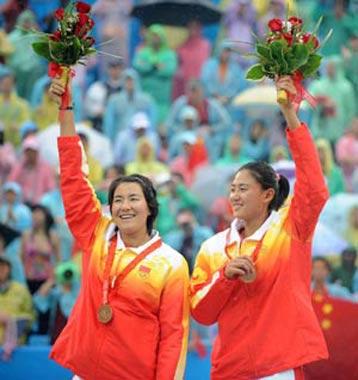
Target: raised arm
[
  {"x": 83, "y": 210},
  {"x": 310, "y": 192}
]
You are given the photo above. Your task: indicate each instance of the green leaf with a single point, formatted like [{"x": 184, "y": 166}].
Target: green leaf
[
  {"x": 42, "y": 49},
  {"x": 263, "y": 51},
  {"x": 276, "y": 48},
  {"x": 300, "y": 53},
  {"x": 326, "y": 38},
  {"x": 255, "y": 72},
  {"x": 311, "y": 66}
]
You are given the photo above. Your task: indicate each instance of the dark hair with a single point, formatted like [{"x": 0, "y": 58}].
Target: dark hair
[
  {"x": 4, "y": 261},
  {"x": 266, "y": 176},
  {"x": 49, "y": 220},
  {"x": 324, "y": 260},
  {"x": 149, "y": 192},
  {"x": 350, "y": 251}
]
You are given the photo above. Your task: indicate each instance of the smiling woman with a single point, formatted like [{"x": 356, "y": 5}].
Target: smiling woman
[
  {"x": 254, "y": 278},
  {"x": 131, "y": 318}
]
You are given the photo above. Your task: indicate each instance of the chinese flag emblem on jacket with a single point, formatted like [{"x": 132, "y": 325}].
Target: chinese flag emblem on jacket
[{"x": 339, "y": 322}]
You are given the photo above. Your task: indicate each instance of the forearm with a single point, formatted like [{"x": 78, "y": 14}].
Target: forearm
[
  {"x": 67, "y": 123},
  {"x": 291, "y": 118}
]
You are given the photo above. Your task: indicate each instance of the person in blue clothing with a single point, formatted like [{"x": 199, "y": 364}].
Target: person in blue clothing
[
  {"x": 58, "y": 295},
  {"x": 188, "y": 236},
  {"x": 321, "y": 270},
  {"x": 122, "y": 106}
]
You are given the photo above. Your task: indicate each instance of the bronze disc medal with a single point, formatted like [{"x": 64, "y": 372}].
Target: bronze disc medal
[{"x": 104, "y": 313}]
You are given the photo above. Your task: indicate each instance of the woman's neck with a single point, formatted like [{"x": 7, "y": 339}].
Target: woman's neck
[
  {"x": 136, "y": 239},
  {"x": 252, "y": 226}
]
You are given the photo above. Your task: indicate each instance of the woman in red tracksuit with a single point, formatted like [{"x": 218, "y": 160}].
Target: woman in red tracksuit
[
  {"x": 253, "y": 279},
  {"x": 130, "y": 321}
]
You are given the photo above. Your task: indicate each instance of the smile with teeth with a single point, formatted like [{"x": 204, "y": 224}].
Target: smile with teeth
[{"x": 126, "y": 216}]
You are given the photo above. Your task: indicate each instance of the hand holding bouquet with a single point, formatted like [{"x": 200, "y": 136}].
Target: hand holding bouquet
[
  {"x": 288, "y": 50},
  {"x": 69, "y": 44}
]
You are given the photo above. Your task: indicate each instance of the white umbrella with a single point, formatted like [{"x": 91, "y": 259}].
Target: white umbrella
[
  {"x": 257, "y": 95},
  {"x": 326, "y": 242},
  {"x": 100, "y": 145},
  {"x": 211, "y": 182}
]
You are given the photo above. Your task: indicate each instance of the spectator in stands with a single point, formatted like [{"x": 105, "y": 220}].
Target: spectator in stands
[
  {"x": 333, "y": 173},
  {"x": 188, "y": 236},
  {"x": 10, "y": 11},
  {"x": 347, "y": 153},
  {"x": 233, "y": 153},
  {"x": 336, "y": 18},
  {"x": 58, "y": 295},
  {"x": 321, "y": 270},
  {"x": 145, "y": 162},
  {"x": 337, "y": 105},
  {"x": 156, "y": 63},
  {"x": 98, "y": 93},
  {"x": 122, "y": 107},
  {"x": 16, "y": 311},
  {"x": 95, "y": 168},
  {"x": 126, "y": 141},
  {"x": 40, "y": 248},
  {"x": 350, "y": 56},
  {"x": 13, "y": 109},
  {"x": 13, "y": 212},
  {"x": 7, "y": 156},
  {"x": 40, "y": 91},
  {"x": 351, "y": 233},
  {"x": 222, "y": 77},
  {"x": 26, "y": 64},
  {"x": 110, "y": 174},
  {"x": 194, "y": 155},
  {"x": 343, "y": 275},
  {"x": 32, "y": 173},
  {"x": 213, "y": 120},
  {"x": 239, "y": 23},
  {"x": 53, "y": 201},
  {"x": 5, "y": 46},
  {"x": 189, "y": 119},
  {"x": 44, "y": 114},
  {"x": 256, "y": 145},
  {"x": 192, "y": 54},
  {"x": 173, "y": 195}
]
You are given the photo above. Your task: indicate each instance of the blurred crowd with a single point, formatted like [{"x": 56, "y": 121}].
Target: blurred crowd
[{"x": 162, "y": 102}]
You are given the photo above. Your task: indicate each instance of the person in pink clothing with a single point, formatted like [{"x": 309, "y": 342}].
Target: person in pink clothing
[
  {"x": 191, "y": 56},
  {"x": 34, "y": 175},
  {"x": 347, "y": 153}
]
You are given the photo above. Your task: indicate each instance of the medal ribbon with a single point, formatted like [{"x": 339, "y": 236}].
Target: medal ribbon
[{"x": 109, "y": 261}]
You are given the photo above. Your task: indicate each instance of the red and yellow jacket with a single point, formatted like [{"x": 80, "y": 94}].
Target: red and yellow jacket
[
  {"x": 147, "y": 337},
  {"x": 268, "y": 326}
]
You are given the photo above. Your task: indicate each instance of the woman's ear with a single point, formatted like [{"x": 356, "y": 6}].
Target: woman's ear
[{"x": 269, "y": 195}]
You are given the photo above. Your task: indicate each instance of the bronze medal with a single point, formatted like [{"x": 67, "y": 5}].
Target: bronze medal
[{"x": 104, "y": 313}]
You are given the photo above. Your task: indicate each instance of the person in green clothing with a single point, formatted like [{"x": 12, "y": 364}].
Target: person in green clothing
[
  {"x": 336, "y": 18},
  {"x": 233, "y": 154},
  {"x": 336, "y": 102},
  {"x": 145, "y": 162},
  {"x": 14, "y": 111},
  {"x": 333, "y": 173},
  {"x": 173, "y": 196},
  {"x": 350, "y": 58},
  {"x": 156, "y": 64},
  {"x": 27, "y": 65},
  {"x": 344, "y": 274}
]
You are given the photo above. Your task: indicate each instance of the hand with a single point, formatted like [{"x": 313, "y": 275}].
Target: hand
[
  {"x": 242, "y": 268},
  {"x": 57, "y": 89},
  {"x": 286, "y": 83}
]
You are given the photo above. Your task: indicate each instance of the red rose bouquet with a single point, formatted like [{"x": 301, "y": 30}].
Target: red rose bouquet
[
  {"x": 288, "y": 50},
  {"x": 69, "y": 44}
]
